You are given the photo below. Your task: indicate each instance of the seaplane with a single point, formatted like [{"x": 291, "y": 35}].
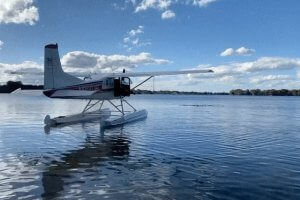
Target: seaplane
[{"x": 104, "y": 88}]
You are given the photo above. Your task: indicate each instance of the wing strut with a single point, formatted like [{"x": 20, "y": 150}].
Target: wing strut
[{"x": 142, "y": 82}]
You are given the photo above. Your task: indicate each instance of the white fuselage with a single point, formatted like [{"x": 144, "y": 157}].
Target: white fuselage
[{"x": 102, "y": 89}]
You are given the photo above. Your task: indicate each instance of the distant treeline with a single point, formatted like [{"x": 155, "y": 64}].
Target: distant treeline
[
  {"x": 13, "y": 85},
  {"x": 178, "y": 92},
  {"x": 272, "y": 92}
]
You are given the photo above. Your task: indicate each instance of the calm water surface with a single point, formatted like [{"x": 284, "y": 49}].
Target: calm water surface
[{"x": 189, "y": 147}]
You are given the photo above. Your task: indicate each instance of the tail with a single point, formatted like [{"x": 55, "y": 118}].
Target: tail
[{"x": 54, "y": 76}]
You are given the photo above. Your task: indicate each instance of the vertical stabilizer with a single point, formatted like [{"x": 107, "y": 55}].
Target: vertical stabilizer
[{"x": 54, "y": 76}]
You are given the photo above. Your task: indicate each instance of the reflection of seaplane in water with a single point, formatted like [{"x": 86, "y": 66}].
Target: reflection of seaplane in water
[{"x": 97, "y": 89}]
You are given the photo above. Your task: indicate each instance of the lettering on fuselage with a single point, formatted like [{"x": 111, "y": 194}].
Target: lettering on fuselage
[{"x": 87, "y": 87}]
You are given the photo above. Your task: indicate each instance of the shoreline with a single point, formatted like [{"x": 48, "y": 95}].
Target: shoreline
[{"x": 11, "y": 86}]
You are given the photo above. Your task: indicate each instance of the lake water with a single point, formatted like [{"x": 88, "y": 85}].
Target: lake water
[{"x": 189, "y": 147}]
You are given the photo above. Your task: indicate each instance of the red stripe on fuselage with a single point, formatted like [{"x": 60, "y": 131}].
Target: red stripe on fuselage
[{"x": 94, "y": 86}]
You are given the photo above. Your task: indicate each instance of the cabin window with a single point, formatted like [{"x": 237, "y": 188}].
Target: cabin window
[
  {"x": 110, "y": 82},
  {"x": 125, "y": 81}
]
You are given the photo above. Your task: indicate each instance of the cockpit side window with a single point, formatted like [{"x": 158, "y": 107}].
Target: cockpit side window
[{"x": 125, "y": 81}]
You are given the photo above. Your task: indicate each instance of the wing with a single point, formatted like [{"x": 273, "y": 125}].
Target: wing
[{"x": 161, "y": 73}]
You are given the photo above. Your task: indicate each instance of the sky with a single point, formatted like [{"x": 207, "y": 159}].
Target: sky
[{"x": 248, "y": 43}]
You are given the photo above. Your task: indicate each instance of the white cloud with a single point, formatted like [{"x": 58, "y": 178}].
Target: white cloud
[
  {"x": 155, "y": 4},
  {"x": 202, "y": 3},
  {"x": 126, "y": 39},
  {"x": 108, "y": 63},
  {"x": 18, "y": 12},
  {"x": 1, "y": 44},
  {"x": 263, "y": 64},
  {"x": 242, "y": 51},
  {"x": 268, "y": 63},
  {"x": 135, "y": 41},
  {"x": 18, "y": 68},
  {"x": 123, "y": 5},
  {"x": 27, "y": 71},
  {"x": 168, "y": 14},
  {"x": 80, "y": 59},
  {"x": 164, "y": 6},
  {"x": 227, "y": 52},
  {"x": 135, "y": 32},
  {"x": 252, "y": 74},
  {"x": 132, "y": 39},
  {"x": 269, "y": 78}
]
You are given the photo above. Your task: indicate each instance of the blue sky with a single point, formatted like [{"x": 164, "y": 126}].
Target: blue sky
[{"x": 249, "y": 43}]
